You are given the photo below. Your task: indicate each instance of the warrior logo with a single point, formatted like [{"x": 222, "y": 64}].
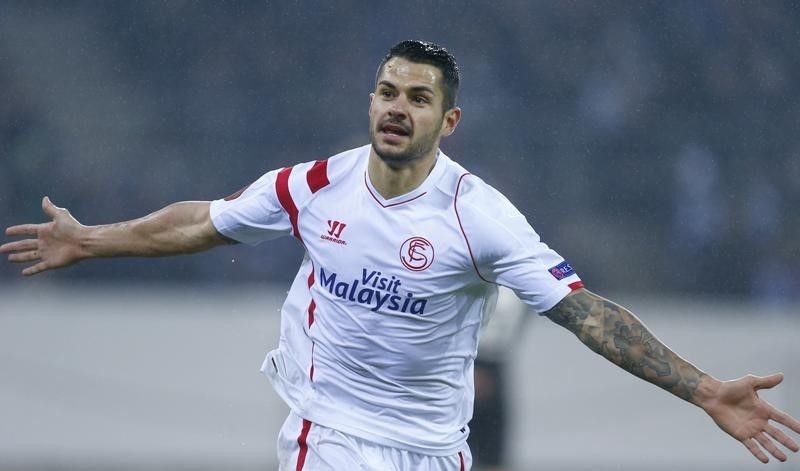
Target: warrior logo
[
  {"x": 335, "y": 229},
  {"x": 416, "y": 254}
]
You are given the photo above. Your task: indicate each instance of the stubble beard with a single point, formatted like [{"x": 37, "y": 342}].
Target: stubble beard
[{"x": 401, "y": 158}]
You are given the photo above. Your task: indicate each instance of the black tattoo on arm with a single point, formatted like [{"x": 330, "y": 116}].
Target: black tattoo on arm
[{"x": 615, "y": 333}]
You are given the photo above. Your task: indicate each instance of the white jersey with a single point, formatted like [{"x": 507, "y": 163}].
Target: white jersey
[{"x": 380, "y": 327}]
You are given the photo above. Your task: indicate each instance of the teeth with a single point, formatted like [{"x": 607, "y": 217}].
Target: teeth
[{"x": 394, "y": 131}]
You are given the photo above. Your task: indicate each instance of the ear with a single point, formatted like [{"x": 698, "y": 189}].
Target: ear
[{"x": 450, "y": 121}]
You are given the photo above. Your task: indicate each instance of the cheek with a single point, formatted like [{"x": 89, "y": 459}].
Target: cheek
[
  {"x": 432, "y": 124},
  {"x": 371, "y": 112},
  {"x": 374, "y": 110}
]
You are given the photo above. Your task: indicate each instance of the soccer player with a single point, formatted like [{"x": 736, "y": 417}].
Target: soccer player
[{"x": 405, "y": 250}]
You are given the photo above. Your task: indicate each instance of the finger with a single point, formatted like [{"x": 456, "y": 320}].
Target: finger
[
  {"x": 765, "y": 442},
  {"x": 755, "y": 450},
  {"x": 785, "y": 419},
  {"x": 766, "y": 382},
  {"x": 782, "y": 438},
  {"x": 22, "y": 257},
  {"x": 32, "y": 270},
  {"x": 19, "y": 246},
  {"x": 23, "y": 230},
  {"x": 49, "y": 208}
]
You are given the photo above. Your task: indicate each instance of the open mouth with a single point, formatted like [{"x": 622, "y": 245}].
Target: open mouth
[{"x": 394, "y": 129}]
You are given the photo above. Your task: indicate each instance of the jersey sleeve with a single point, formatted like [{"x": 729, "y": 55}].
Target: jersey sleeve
[
  {"x": 253, "y": 214},
  {"x": 506, "y": 250}
]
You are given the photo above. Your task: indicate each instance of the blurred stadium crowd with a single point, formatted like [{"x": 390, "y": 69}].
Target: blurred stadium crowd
[{"x": 654, "y": 144}]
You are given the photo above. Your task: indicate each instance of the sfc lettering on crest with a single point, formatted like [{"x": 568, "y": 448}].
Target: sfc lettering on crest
[{"x": 416, "y": 254}]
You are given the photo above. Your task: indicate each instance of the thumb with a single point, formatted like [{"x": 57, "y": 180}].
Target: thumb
[
  {"x": 766, "y": 382},
  {"x": 49, "y": 208}
]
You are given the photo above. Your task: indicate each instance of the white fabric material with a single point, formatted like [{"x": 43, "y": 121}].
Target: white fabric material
[
  {"x": 255, "y": 216},
  {"x": 331, "y": 450},
  {"x": 506, "y": 327},
  {"x": 398, "y": 300}
]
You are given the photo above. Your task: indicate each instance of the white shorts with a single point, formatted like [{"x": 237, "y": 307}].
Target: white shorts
[{"x": 304, "y": 446}]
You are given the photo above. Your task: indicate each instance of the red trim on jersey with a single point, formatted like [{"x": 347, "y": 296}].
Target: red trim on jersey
[
  {"x": 455, "y": 206},
  {"x": 317, "y": 177},
  {"x": 393, "y": 204},
  {"x": 285, "y": 198},
  {"x": 576, "y": 285},
  {"x": 461, "y": 458},
  {"x": 311, "y": 372},
  {"x": 311, "y": 308},
  {"x": 313, "y": 305},
  {"x": 301, "y": 440}
]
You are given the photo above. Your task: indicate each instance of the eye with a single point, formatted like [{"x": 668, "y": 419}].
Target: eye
[
  {"x": 386, "y": 93},
  {"x": 420, "y": 100}
]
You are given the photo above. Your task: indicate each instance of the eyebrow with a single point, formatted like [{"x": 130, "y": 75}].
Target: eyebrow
[{"x": 417, "y": 88}]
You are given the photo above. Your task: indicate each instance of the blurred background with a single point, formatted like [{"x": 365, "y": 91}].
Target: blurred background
[{"x": 653, "y": 144}]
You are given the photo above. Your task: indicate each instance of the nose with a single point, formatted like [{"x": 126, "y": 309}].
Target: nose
[{"x": 397, "y": 109}]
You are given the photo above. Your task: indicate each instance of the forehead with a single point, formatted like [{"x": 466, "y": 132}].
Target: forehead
[{"x": 402, "y": 72}]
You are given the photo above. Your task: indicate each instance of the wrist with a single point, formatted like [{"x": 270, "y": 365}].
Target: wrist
[
  {"x": 706, "y": 392},
  {"x": 87, "y": 242}
]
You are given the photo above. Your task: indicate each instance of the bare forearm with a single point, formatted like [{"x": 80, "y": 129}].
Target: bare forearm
[
  {"x": 179, "y": 228},
  {"x": 618, "y": 335}
]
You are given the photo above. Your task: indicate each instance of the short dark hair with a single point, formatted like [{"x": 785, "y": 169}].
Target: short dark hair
[{"x": 423, "y": 52}]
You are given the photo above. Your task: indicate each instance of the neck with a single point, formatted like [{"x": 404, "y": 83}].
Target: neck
[{"x": 391, "y": 181}]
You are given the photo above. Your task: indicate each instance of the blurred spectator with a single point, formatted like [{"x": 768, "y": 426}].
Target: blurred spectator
[{"x": 490, "y": 422}]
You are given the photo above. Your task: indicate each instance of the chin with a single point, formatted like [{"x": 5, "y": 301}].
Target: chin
[
  {"x": 391, "y": 154},
  {"x": 396, "y": 159}
]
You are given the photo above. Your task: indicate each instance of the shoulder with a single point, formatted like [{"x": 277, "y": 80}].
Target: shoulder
[
  {"x": 482, "y": 211},
  {"x": 489, "y": 221},
  {"x": 469, "y": 190},
  {"x": 303, "y": 181},
  {"x": 345, "y": 164},
  {"x": 320, "y": 173},
  {"x": 475, "y": 198},
  {"x": 451, "y": 177}
]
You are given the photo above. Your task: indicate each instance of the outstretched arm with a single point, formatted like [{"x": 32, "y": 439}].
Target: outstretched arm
[
  {"x": 179, "y": 228},
  {"x": 618, "y": 335}
]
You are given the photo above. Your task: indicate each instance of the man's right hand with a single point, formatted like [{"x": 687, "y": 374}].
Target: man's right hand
[{"x": 53, "y": 244}]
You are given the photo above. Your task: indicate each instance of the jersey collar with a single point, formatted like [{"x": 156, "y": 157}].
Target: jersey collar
[{"x": 418, "y": 192}]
